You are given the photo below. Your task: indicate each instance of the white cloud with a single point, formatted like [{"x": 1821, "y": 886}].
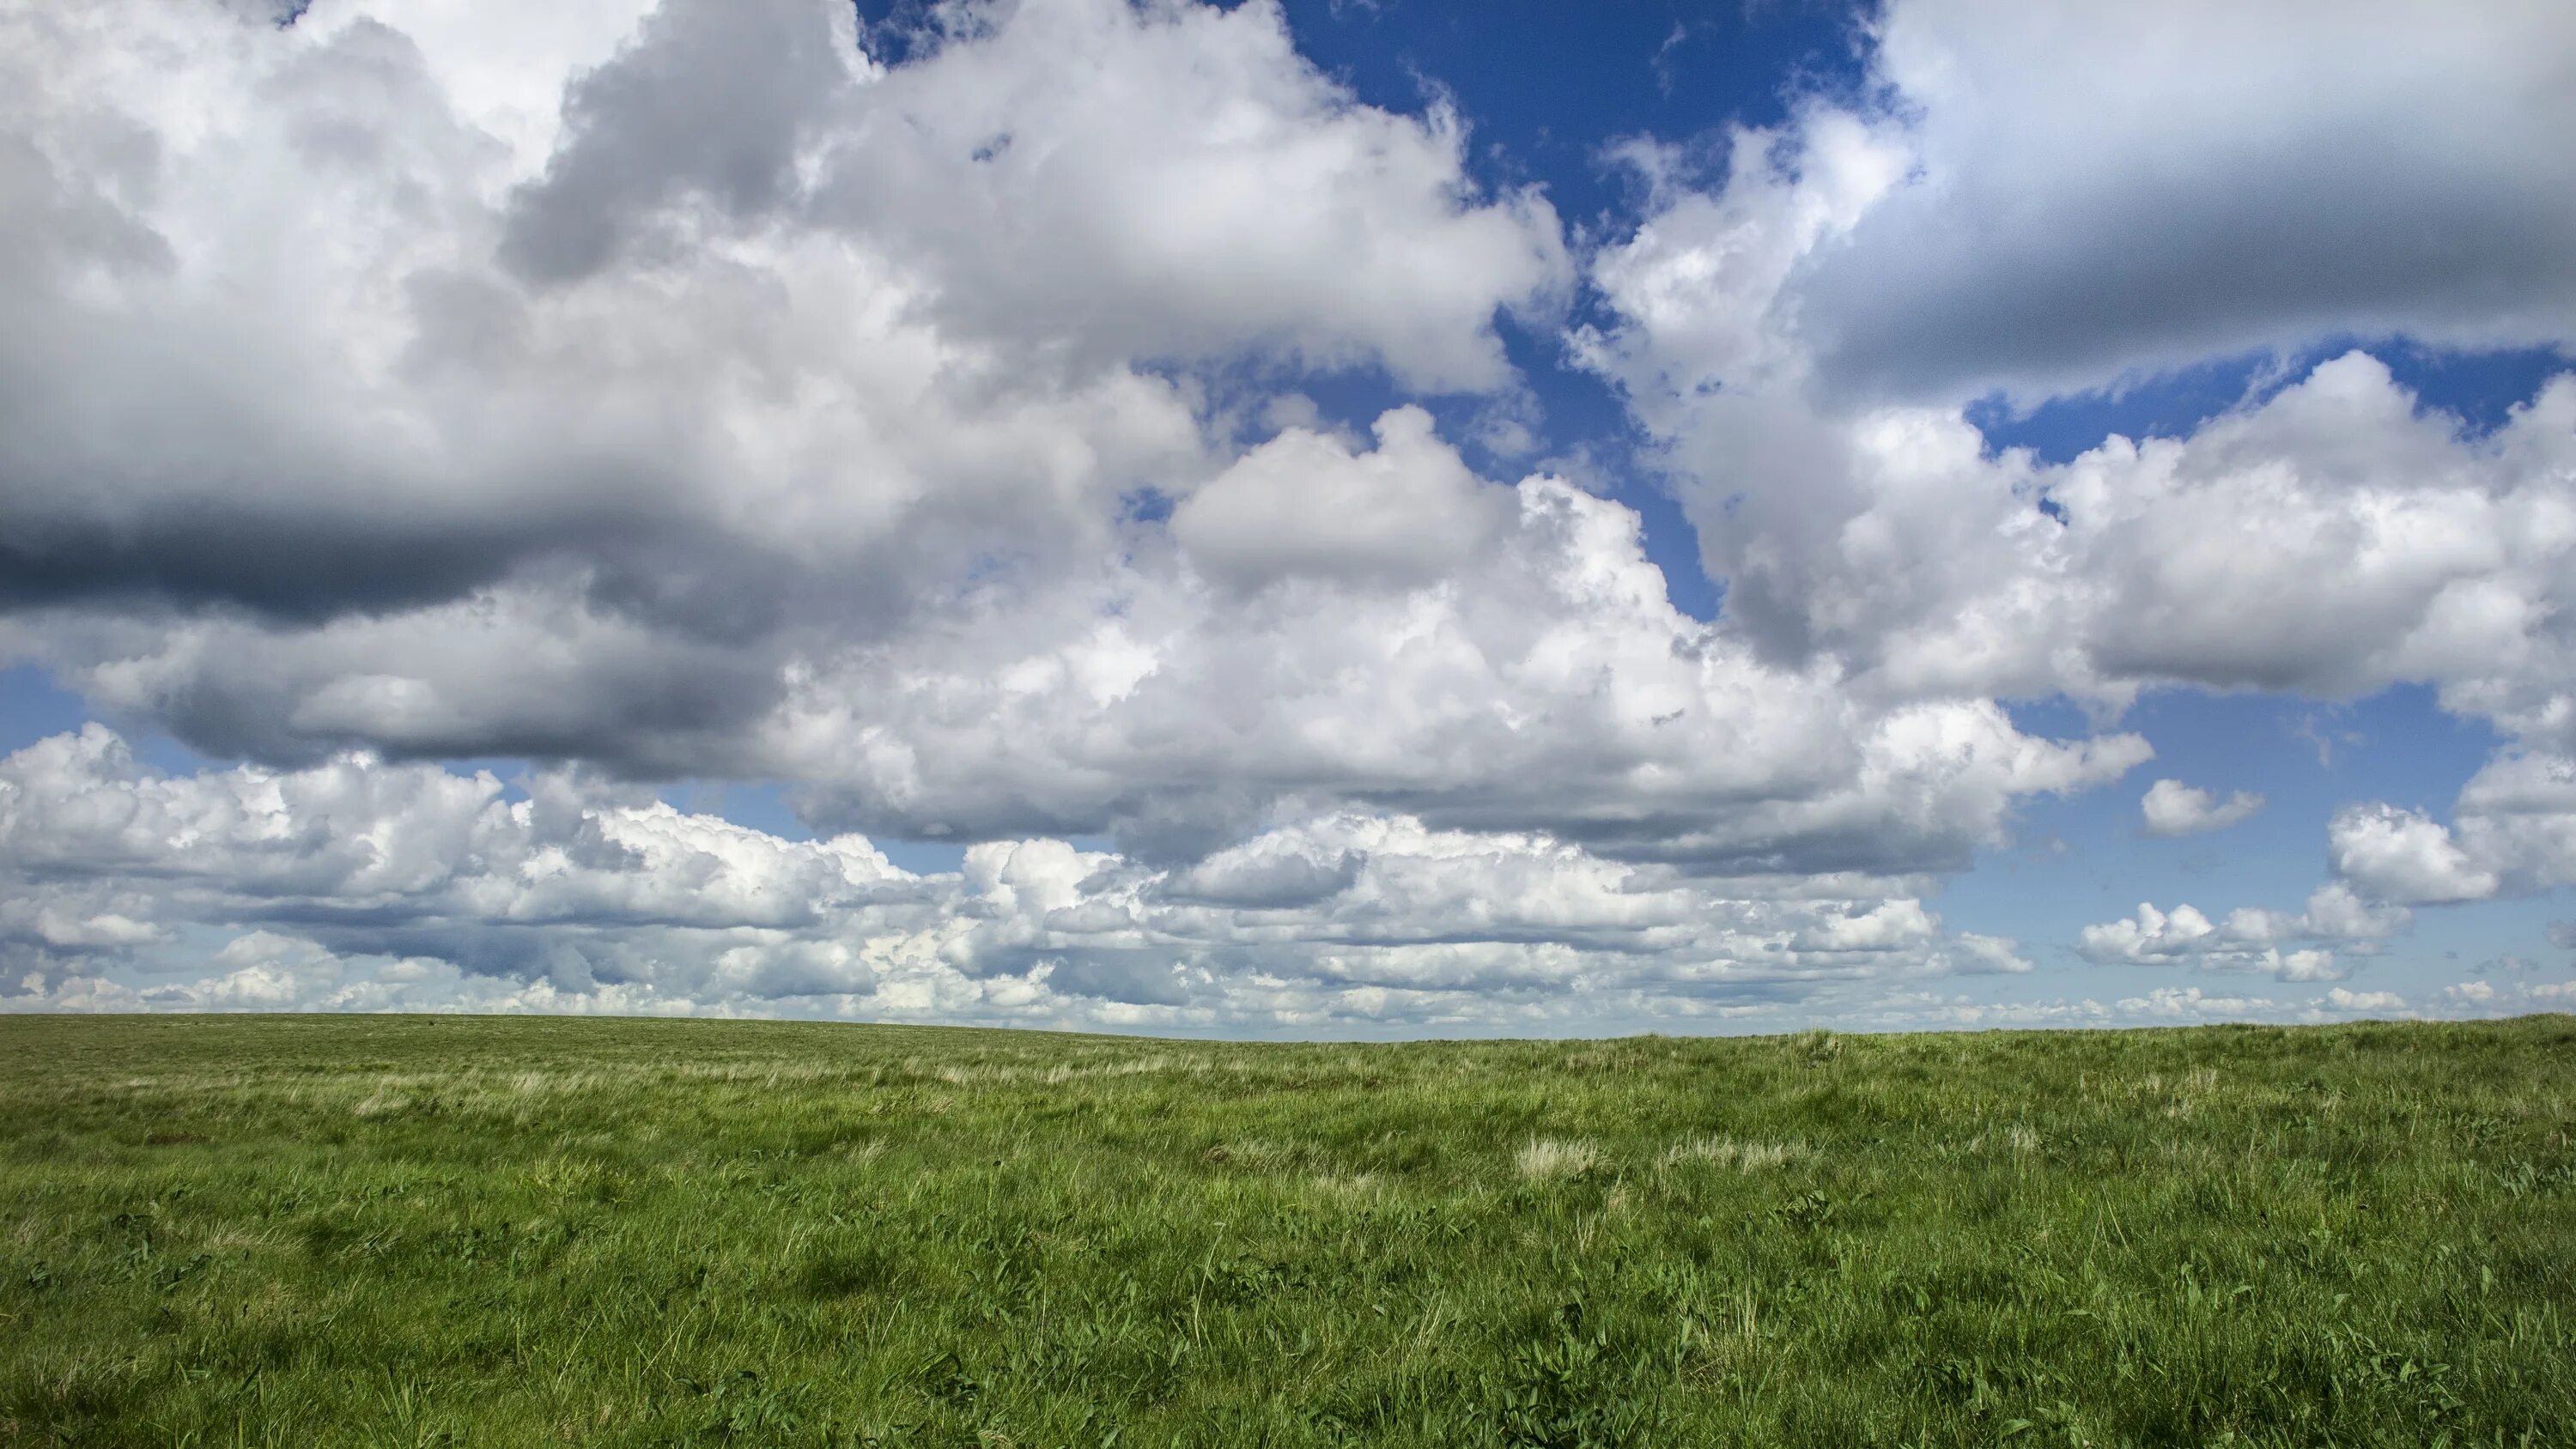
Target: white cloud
[
  {"x": 2151, "y": 933},
  {"x": 2335, "y": 913},
  {"x": 1102, "y": 180},
  {"x": 2517, "y": 818},
  {"x": 1991, "y": 953},
  {"x": 2513, "y": 832},
  {"x": 357, "y": 884},
  {"x": 1701, "y": 279},
  {"x": 2403, "y": 856},
  {"x": 683, "y": 390},
  {"x": 2332, "y": 538},
  {"x": 2192, "y": 1003},
  {"x": 1174, "y": 180},
  {"x": 2174, "y": 808},
  {"x": 1410, "y": 512},
  {"x": 2485, "y": 998},
  {"x": 1545, "y": 682},
  {"x": 778, "y": 387},
  {"x": 784, "y": 413},
  {"x": 2339, "y": 999},
  {"x": 2249, "y": 939}
]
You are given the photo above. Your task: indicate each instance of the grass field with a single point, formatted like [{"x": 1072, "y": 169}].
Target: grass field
[{"x": 409, "y": 1230}]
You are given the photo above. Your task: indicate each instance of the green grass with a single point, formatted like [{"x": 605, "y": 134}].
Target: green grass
[{"x": 404, "y": 1231}]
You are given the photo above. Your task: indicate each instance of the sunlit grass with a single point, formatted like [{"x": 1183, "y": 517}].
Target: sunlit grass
[{"x": 476, "y": 1231}]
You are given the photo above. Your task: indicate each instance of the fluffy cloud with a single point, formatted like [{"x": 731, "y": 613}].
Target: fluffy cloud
[
  {"x": 2513, "y": 832},
  {"x": 2340, "y": 999},
  {"x": 2331, "y": 538},
  {"x": 2190, "y": 1003},
  {"x": 684, "y": 389},
  {"x": 724, "y": 333},
  {"x": 1546, "y": 683},
  {"x": 358, "y": 884},
  {"x": 2484, "y": 998},
  {"x": 2151, "y": 934},
  {"x": 731, "y": 402},
  {"x": 1091, "y": 176},
  {"x": 2174, "y": 808},
  {"x": 2249, "y": 939},
  {"x": 303, "y": 392},
  {"x": 1305, "y": 504},
  {"x": 2517, "y": 818},
  {"x": 2404, "y": 856}
]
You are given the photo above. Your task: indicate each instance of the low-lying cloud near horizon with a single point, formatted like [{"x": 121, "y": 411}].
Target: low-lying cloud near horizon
[{"x": 721, "y": 390}]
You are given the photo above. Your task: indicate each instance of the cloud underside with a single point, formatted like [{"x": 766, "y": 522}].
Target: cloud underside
[{"x": 690, "y": 391}]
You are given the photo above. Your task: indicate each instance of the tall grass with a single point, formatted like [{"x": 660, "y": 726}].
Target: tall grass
[{"x": 417, "y": 1231}]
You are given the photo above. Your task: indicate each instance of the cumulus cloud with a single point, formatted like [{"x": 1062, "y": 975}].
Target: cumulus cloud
[
  {"x": 2404, "y": 856},
  {"x": 2330, "y": 537},
  {"x": 732, "y": 402},
  {"x": 2250, "y": 939},
  {"x": 1304, "y": 504},
  {"x": 2517, "y": 818},
  {"x": 2150, "y": 934},
  {"x": 1169, "y": 180},
  {"x": 359, "y": 884},
  {"x": 2174, "y": 808},
  {"x": 2485, "y": 998},
  {"x": 692, "y": 315},
  {"x": 684, "y": 389},
  {"x": 2333, "y": 538},
  {"x": 2513, "y": 832},
  {"x": 1546, "y": 683},
  {"x": 2341, "y": 999},
  {"x": 2336, "y": 913},
  {"x": 2190, "y": 1003}
]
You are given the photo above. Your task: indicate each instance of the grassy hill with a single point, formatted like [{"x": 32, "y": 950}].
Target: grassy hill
[{"x": 410, "y": 1230}]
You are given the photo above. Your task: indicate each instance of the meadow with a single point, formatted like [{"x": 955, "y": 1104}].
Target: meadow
[{"x": 472, "y": 1231}]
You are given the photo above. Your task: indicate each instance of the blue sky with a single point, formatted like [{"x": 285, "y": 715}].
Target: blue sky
[{"x": 1332, "y": 518}]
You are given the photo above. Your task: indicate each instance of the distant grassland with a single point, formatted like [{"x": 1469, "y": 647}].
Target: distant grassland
[{"x": 409, "y": 1231}]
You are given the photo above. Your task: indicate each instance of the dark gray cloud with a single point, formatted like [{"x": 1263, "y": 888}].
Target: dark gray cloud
[
  {"x": 707, "y": 103},
  {"x": 1266, "y": 883},
  {"x": 1939, "y": 296},
  {"x": 297, "y": 567}
]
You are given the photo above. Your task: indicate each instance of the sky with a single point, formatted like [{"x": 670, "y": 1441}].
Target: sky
[{"x": 1353, "y": 519}]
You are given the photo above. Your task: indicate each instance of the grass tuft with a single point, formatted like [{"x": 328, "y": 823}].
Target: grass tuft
[{"x": 1546, "y": 1157}]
